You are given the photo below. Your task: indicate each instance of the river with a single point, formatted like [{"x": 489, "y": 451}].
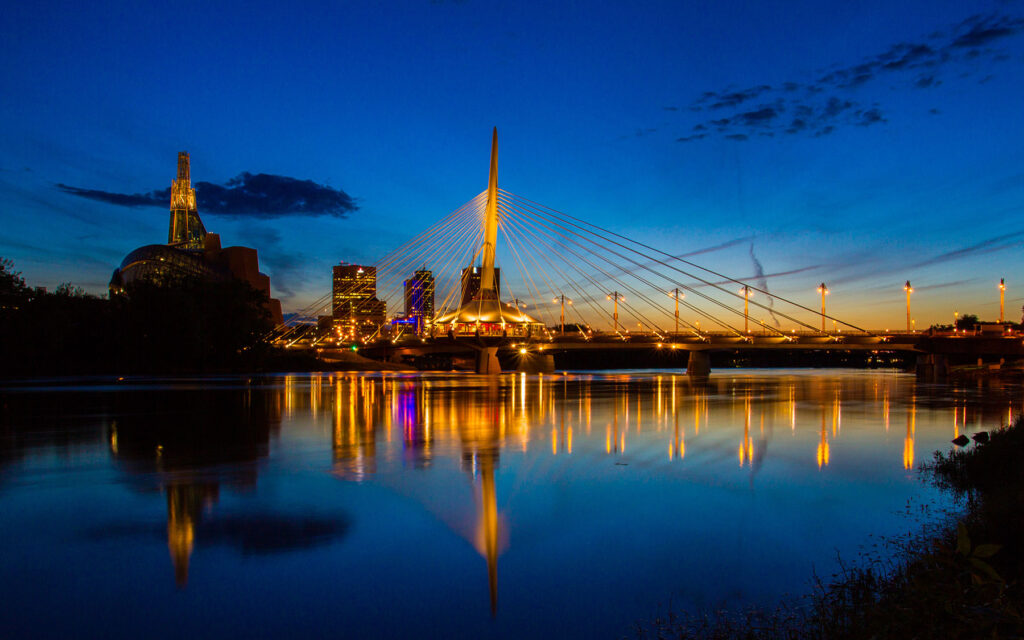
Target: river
[{"x": 440, "y": 505}]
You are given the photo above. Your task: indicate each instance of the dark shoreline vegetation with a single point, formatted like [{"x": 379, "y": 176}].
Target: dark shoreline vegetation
[
  {"x": 962, "y": 580},
  {"x": 181, "y": 325}
]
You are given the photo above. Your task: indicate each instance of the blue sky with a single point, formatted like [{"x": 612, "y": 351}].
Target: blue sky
[{"x": 887, "y": 146}]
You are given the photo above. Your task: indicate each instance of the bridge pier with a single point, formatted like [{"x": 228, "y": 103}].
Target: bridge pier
[
  {"x": 932, "y": 367},
  {"x": 487, "y": 361},
  {"x": 699, "y": 364},
  {"x": 537, "y": 363}
]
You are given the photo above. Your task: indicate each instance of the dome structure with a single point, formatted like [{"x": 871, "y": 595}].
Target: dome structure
[
  {"x": 156, "y": 262},
  {"x": 487, "y": 316}
]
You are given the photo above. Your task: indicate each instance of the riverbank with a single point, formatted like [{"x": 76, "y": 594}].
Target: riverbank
[
  {"x": 963, "y": 581},
  {"x": 281, "y": 360}
]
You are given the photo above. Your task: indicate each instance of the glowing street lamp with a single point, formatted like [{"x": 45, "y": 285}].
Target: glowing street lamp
[
  {"x": 823, "y": 290},
  {"x": 564, "y": 301},
  {"x": 677, "y": 296},
  {"x": 909, "y": 289},
  {"x": 615, "y": 296},
  {"x": 1002, "y": 298}
]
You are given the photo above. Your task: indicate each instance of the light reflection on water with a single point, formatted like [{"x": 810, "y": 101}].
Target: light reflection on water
[{"x": 586, "y": 500}]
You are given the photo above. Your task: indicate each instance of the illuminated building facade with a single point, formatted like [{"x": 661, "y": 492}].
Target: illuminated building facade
[
  {"x": 471, "y": 283},
  {"x": 356, "y": 310},
  {"x": 186, "y": 229},
  {"x": 191, "y": 251},
  {"x": 419, "y": 298}
]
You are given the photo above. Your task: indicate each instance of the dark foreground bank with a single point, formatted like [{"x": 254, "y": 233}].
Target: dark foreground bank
[{"x": 963, "y": 581}]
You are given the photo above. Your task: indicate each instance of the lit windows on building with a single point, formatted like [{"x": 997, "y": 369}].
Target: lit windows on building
[
  {"x": 356, "y": 310},
  {"x": 419, "y": 298}
]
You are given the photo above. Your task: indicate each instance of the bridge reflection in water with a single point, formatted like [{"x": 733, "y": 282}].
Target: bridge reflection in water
[
  {"x": 382, "y": 426},
  {"x": 382, "y": 421}
]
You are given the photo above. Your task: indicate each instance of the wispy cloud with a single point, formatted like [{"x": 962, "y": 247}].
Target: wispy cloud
[
  {"x": 260, "y": 195},
  {"x": 818, "y": 106},
  {"x": 762, "y": 283},
  {"x": 866, "y": 266},
  {"x": 992, "y": 245},
  {"x": 718, "y": 247}
]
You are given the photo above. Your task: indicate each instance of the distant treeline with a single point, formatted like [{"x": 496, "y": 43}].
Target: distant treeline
[{"x": 181, "y": 325}]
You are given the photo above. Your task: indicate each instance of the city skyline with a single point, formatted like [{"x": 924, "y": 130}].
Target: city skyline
[{"x": 781, "y": 144}]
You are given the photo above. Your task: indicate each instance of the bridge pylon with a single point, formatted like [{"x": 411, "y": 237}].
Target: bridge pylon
[{"x": 698, "y": 365}]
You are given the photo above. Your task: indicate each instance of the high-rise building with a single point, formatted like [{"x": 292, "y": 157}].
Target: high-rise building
[
  {"x": 186, "y": 229},
  {"x": 356, "y": 310},
  {"x": 471, "y": 283},
  {"x": 419, "y": 297}
]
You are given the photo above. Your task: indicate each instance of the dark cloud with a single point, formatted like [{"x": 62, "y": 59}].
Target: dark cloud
[
  {"x": 797, "y": 125},
  {"x": 905, "y": 55},
  {"x": 734, "y": 98},
  {"x": 835, "y": 106},
  {"x": 120, "y": 199},
  {"x": 869, "y": 117},
  {"x": 260, "y": 195},
  {"x": 978, "y": 31},
  {"x": 696, "y": 136},
  {"x": 831, "y": 101},
  {"x": 763, "y": 115}
]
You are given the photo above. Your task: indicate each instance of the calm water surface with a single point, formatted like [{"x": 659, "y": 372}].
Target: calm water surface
[{"x": 372, "y": 505}]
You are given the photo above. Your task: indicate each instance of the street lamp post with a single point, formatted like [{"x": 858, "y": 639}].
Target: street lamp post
[
  {"x": 677, "y": 296},
  {"x": 615, "y": 296},
  {"x": 563, "y": 300},
  {"x": 909, "y": 289},
  {"x": 746, "y": 293},
  {"x": 1002, "y": 298},
  {"x": 823, "y": 290}
]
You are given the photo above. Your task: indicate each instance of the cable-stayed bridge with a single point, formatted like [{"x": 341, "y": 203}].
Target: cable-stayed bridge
[{"x": 567, "y": 285}]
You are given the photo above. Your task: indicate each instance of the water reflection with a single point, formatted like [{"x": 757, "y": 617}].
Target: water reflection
[
  {"x": 908, "y": 442},
  {"x": 189, "y": 444},
  {"x": 480, "y": 417},
  {"x": 465, "y": 450}
]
